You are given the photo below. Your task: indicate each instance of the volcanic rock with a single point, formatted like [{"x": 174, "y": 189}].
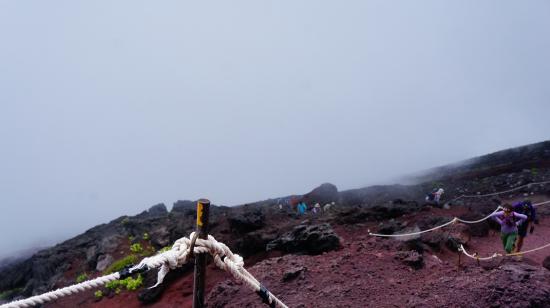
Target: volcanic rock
[
  {"x": 411, "y": 258},
  {"x": 293, "y": 272},
  {"x": 103, "y": 261},
  {"x": 323, "y": 194},
  {"x": 247, "y": 221},
  {"x": 305, "y": 239}
]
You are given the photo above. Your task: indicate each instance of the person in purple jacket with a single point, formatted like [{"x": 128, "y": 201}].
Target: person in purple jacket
[
  {"x": 509, "y": 222},
  {"x": 528, "y": 209}
]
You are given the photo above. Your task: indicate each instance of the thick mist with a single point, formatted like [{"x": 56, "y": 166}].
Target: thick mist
[{"x": 110, "y": 107}]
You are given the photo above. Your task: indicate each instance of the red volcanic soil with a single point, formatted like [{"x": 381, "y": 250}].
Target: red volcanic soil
[{"x": 365, "y": 272}]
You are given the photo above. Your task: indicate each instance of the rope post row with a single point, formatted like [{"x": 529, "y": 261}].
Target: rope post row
[{"x": 203, "y": 211}]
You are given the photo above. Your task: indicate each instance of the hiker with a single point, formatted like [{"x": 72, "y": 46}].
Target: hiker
[
  {"x": 528, "y": 209},
  {"x": 434, "y": 197},
  {"x": 327, "y": 206},
  {"x": 316, "y": 208},
  {"x": 302, "y": 207},
  {"x": 509, "y": 222}
]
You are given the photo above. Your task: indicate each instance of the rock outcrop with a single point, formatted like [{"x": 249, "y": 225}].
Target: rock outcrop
[{"x": 305, "y": 239}]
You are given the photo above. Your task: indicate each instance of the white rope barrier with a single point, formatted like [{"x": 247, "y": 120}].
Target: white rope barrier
[
  {"x": 475, "y": 256},
  {"x": 414, "y": 233},
  {"x": 479, "y": 220},
  {"x": 500, "y": 192},
  {"x": 53, "y": 295},
  {"x": 496, "y": 255},
  {"x": 438, "y": 227},
  {"x": 176, "y": 257},
  {"x": 462, "y": 220}
]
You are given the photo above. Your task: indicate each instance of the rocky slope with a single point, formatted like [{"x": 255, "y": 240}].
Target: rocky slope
[{"x": 326, "y": 259}]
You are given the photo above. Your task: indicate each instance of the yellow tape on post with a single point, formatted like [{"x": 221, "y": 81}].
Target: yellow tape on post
[{"x": 200, "y": 211}]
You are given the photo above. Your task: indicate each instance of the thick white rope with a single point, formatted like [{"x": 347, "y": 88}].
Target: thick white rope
[
  {"x": 438, "y": 227},
  {"x": 496, "y": 255},
  {"x": 499, "y": 192},
  {"x": 171, "y": 259},
  {"x": 541, "y": 203},
  {"x": 474, "y": 256},
  {"x": 53, "y": 295},
  {"x": 448, "y": 223},
  {"x": 479, "y": 220}
]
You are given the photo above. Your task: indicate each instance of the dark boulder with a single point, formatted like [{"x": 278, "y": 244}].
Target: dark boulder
[
  {"x": 253, "y": 242},
  {"x": 480, "y": 229},
  {"x": 411, "y": 258},
  {"x": 293, "y": 272},
  {"x": 350, "y": 215},
  {"x": 187, "y": 207},
  {"x": 390, "y": 210},
  {"x": 459, "y": 234},
  {"x": 546, "y": 263},
  {"x": 304, "y": 239},
  {"x": 390, "y": 227},
  {"x": 247, "y": 221}
]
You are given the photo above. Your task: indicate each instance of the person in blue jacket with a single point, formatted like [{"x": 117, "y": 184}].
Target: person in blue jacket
[
  {"x": 302, "y": 207},
  {"x": 528, "y": 209}
]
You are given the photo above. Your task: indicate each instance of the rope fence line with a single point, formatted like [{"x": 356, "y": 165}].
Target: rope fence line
[
  {"x": 53, "y": 295},
  {"x": 499, "y": 192},
  {"x": 496, "y": 255},
  {"x": 455, "y": 219},
  {"x": 413, "y": 233},
  {"x": 176, "y": 257}
]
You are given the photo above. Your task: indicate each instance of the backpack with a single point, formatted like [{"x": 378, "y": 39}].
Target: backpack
[{"x": 430, "y": 196}]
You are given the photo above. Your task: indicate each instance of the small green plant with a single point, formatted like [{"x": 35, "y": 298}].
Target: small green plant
[
  {"x": 98, "y": 294},
  {"x": 6, "y": 295},
  {"x": 131, "y": 238},
  {"x": 145, "y": 236},
  {"x": 125, "y": 221},
  {"x": 165, "y": 248},
  {"x": 82, "y": 277},
  {"x": 534, "y": 171},
  {"x": 133, "y": 284},
  {"x": 136, "y": 248},
  {"x": 121, "y": 263},
  {"x": 129, "y": 283}
]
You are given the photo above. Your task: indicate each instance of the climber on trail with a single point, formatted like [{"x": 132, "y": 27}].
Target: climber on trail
[
  {"x": 528, "y": 209},
  {"x": 509, "y": 222},
  {"x": 302, "y": 207},
  {"x": 434, "y": 197}
]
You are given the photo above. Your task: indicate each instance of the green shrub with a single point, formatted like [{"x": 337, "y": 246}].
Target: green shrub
[
  {"x": 133, "y": 284},
  {"x": 121, "y": 263},
  {"x": 165, "y": 248},
  {"x": 6, "y": 295},
  {"x": 125, "y": 221},
  {"x": 131, "y": 238},
  {"x": 129, "y": 283},
  {"x": 145, "y": 236},
  {"x": 136, "y": 248},
  {"x": 98, "y": 294},
  {"x": 82, "y": 277}
]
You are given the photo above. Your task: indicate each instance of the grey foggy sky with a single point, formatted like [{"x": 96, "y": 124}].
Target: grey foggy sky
[{"x": 109, "y": 107}]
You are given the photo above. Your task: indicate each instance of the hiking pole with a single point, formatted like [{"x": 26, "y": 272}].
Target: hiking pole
[{"x": 203, "y": 210}]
